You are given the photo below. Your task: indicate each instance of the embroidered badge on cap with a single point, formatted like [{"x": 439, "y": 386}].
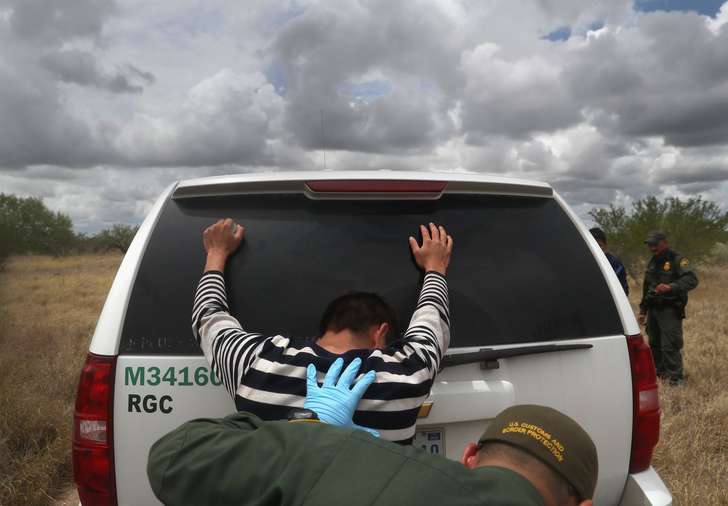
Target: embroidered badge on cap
[
  {"x": 666, "y": 267},
  {"x": 684, "y": 263}
]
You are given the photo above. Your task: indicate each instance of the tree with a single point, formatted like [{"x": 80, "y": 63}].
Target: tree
[
  {"x": 7, "y": 236},
  {"x": 117, "y": 237},
  {"x": 28, "y": 226},
  {"x": 692, "y": 226}
]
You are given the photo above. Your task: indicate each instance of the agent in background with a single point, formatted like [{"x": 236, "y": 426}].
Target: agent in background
[
  {"x": 668, "y": 279},
  {"x": 614, "y": 260}
]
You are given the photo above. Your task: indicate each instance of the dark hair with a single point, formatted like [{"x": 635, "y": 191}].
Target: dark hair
[
  {"x": 598, "y": 234},
  {"x": 358, "y": 311},
  {"x": 562, "y": 490}
]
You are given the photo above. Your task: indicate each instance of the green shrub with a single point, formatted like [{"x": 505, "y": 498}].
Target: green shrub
[
  {"x": 692, "y": 226},
  {"x": 719, "y": 253},
  {"x": 28, "y": 226}
]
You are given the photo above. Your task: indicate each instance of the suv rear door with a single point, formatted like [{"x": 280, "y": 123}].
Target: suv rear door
[{"x": 522, "y": 275}]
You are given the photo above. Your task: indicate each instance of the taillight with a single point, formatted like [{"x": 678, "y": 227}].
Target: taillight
[
  {"x": 376, "y": 186},
  {"x": 646, "y": 404},
  {"x": 93, "y": 445}
]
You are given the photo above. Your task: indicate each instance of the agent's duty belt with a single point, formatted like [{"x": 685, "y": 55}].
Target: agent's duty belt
[{"x": 655, "y": 300}]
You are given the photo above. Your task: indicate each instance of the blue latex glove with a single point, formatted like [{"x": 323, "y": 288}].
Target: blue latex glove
[{"x": 335, "y": 403}]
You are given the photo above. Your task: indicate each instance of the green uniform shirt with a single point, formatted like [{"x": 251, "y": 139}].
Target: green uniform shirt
[
  {"x": 245, "y": 461},
  {"x": 672, "y": 269}
]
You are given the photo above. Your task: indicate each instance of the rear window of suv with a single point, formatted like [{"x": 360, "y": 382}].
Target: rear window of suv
[{"x": 520, "y": 271}]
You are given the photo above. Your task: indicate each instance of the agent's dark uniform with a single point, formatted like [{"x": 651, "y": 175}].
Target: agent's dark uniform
[
  {"x": 246, "y": 461},
  {"x": 619, "y": 270},
  {"x": 665, "y": 312},
  {"x": 614, "y": 260}
]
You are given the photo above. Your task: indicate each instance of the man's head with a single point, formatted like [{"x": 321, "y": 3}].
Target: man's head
[
  {"x": 599, "y": 236},
  {"x": 544, "y": 446},
  {"x": 369, "y": 320},
  {"x": 656, "y": 242}
]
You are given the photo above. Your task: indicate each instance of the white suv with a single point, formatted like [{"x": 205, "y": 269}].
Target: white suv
[{"x": 538, "y": 316}]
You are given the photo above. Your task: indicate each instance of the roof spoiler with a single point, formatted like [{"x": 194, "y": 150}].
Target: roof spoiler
[{"x": 318, "y": 186}]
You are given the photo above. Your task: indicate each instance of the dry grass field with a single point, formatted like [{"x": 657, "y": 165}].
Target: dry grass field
[
  {"x": 48, "y": 308},
  {"x": 692, "y": 456}
]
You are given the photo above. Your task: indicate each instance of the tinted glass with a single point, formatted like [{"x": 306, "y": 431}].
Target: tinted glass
[{"x": 520, "y": 272}]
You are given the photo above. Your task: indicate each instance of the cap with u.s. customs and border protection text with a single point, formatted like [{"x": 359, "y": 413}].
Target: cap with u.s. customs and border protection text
[{"x": 553, "y": 438}]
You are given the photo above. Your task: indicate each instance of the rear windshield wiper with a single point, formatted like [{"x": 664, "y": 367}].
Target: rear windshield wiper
[{"x": 489, "y": 354}]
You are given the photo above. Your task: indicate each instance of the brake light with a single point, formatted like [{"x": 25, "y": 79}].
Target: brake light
[
  {"x": 376, "y": 186},
  {"x": 646, "y": 404},
  {"x": 93, "y": 446}
]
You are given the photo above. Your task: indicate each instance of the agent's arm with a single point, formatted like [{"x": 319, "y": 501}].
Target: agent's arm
[
  {"x": 336, "y": 400},
  {"x": 686, "y": 278},
  {"x": 228, "y": 348},
  {"x": 242, "y": 460}
]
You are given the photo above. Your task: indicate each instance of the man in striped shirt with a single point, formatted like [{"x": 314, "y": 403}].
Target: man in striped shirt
[{"x": 267, "y": 375}]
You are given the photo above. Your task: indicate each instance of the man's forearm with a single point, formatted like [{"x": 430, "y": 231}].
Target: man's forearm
[
  {"x": 434, "y": 293},
  {"x": 429, "y": 329},
  {"x": 226, "y": 346},
  {"x": 215, "y": 261}
]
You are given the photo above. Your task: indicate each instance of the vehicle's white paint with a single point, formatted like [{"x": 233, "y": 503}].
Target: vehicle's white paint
[
  {"x": 558, "y": 379},
  {"x": 108, "y": 328},
  {"x": 588, "y": 385},
  {"x": 646, "y": 489},
  {"x": 476, "y": 398},
  {"x": 134, "y": 433}
]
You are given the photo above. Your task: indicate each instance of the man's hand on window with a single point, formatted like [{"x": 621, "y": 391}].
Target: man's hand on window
[
  {"x": 221, "y": 240},
  {"x": 434, "y": 253}
]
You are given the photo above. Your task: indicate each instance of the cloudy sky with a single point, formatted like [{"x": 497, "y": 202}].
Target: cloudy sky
[{"x": 103, "y": 103}]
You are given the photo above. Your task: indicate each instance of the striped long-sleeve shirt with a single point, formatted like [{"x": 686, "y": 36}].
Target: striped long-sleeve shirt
[{"x": 266, "y": 375}]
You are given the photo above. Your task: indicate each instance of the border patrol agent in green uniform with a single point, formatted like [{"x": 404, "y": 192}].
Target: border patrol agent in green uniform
[
  {"x": 668, "y": 279},
  {"x": 246, "y": 461}
]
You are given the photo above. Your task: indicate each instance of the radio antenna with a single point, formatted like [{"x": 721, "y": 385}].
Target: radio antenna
[{"x": 323, "y": 138}]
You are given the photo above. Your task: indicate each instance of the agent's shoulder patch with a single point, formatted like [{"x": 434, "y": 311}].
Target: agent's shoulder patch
[{"x": 684, "y": 263}]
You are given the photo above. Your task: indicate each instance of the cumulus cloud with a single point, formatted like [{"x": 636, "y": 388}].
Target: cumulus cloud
[
  {"x": 48, "y": 22},
  {"x": 624, "y": 103},
  {"x": 226, "y": 118},
  {"x": 326, "y": 49},
  {"x": 513, "y": 97},
  {"x": 39, "y": 126},
  {"x": 665, "y": 76},
  {"x": 81, "y": 67},
  {"x": 37, "y": 129}
]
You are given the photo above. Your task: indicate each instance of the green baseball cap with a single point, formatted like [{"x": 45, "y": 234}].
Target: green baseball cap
[
  {"x": 654, "y": 237},
  {"x": 553, "y": 438}
]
